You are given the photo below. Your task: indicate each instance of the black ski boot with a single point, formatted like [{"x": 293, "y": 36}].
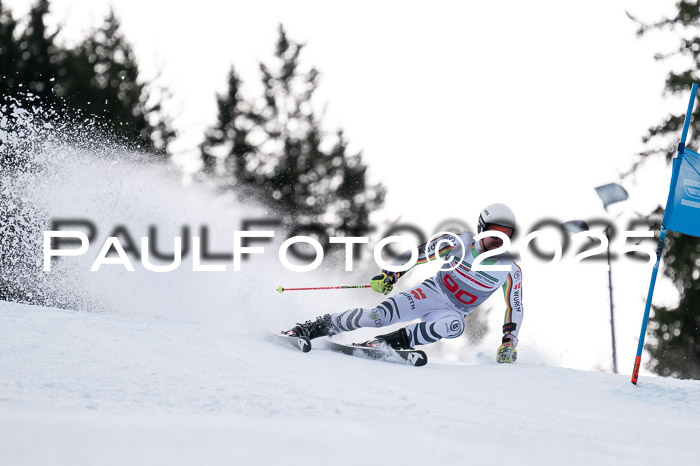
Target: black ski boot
[
  {"x": 397, "y": 340},
  {"x": 321, "y": 327}
]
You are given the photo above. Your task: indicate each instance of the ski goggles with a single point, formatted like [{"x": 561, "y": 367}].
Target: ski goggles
[{"x": 507, "y": 230}]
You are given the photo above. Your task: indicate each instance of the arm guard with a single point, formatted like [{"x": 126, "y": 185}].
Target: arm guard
[{"x": 513, "y": 293}]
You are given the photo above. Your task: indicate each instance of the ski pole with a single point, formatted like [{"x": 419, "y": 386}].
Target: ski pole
[{"x": 342, "y": 287}]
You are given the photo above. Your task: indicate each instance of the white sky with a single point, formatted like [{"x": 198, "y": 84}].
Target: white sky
[{"x": 455, "y": 105}]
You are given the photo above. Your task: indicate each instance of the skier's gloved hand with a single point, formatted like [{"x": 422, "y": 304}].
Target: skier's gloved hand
[
  {"x": 506, "y": 353},
  {"x": 384, "y": 282}
]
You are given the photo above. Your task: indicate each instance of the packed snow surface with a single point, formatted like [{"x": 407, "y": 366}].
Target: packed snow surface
[
  {"x": 79, "y": 388},
  {"x": 177, "y": 368}
]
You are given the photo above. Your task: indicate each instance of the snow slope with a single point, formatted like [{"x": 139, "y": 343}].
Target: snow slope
[
  {"x": 176, "y": 368},
  {"x": 80, "y": 388}
]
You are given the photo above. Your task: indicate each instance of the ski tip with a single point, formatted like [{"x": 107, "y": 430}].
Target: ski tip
[
  {"x": 280, "y": 289},
  {"x": 301, "y": 343},
  {"x": 304, "y": 344},
  {"x": 417, "y": 358}
]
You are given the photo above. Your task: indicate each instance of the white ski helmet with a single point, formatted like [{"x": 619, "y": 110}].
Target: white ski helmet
[{"x": 497, "y": 214}]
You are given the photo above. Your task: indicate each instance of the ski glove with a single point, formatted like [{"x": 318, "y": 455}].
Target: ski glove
[
  {"x": 506, "y": 353},
  {"x": 384, "y": 282}
]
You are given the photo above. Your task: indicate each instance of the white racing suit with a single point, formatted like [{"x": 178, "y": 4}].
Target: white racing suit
[{"x": 442, "y": 302}]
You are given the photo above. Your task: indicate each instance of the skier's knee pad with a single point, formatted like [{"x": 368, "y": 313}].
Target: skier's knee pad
[
  {"x": 378, "y": 317},
  {"x": 450, "y": 326}
]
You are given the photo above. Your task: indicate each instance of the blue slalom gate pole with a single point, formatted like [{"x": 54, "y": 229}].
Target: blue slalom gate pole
[{"x": 674, "y": 178}]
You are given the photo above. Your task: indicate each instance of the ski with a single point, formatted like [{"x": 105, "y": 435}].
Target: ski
[
  {"x": 413, "y": 357},
  {"x": 301, "y": 343}
]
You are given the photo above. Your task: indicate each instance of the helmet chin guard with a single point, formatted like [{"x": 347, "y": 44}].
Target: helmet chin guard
[{"x": 497, "y": 214}]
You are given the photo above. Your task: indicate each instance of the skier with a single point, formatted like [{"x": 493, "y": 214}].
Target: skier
[{"x": 440, "y": 302}]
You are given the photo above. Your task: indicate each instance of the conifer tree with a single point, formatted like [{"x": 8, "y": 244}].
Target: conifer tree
[
  {"x": 101, "y": 78},
  {"x": 97, "y": 79},
  {"x": 675, "y": 342},
  {"x": 278, "y": 148},
  {"x": 39, "y": 56},
  {"x": 9, "y": 51},
  {"x": 226, "y": 149}
]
